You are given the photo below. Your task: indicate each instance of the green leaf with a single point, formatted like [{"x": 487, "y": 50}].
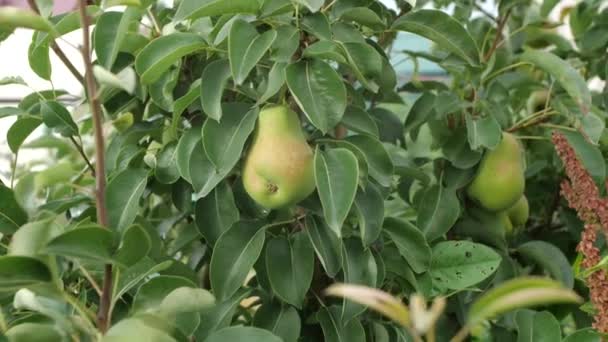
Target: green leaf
[
  {"x": 584, "y": 335},
  {"x": 187, "y": 299},
  {"x": 91, "y": 243},
  {"x": 241, "y": 333},
  {"x": 133, "y": 329},
  {"x": 337, "y": 329},
  {"x": 10, "y": 80},
  {"x": 125, "y": 79},
  {"x": 13, "y": 17},
  {"x": 32, "y": 237},
  {"x": 216, "y": 213},
  {"x": 369, "y": 205},
  {"x": 483, "y": 131},
  {"x": 134, "y": 246},
  {"x": 458, "y": 265},
  {"x": 276, "y": 79},
  {"x": 318, "y": 25},
  {"x": 319, "y": 92},
  {"x": 285, "y": 44},
  {"x": 246, "y": 47},
  {"x": 359, "y": 266},
  {"x": 535, "y": 326},
  {"x": 20, "y": 271},
  {"x": 39, "y": 59},
  {"x": 20, "y": 130},
  {"x": 122, "y": 197},
  {"x": 358, "y": 120},
  {"x": 56, "y": 116},
  {"x": 325, "y": 49},
  {"x": 281, "y": 320},
  {"x": 442, "y": 29},
  {"x": 151, "y": 294},
  {"x": 158, "y": 56},
  {"x": 563, "y": 73},
  {"x": 410, "y": 242},
  {"x": 26, "y": 332},
  {"x": 336, "y": 176},
  {"x": 186, "y": 145},
  {"x": 109, "y": 34},
  {"x": 363, "y": 16},
  {"x": 224, "y": 140},
  {"x": 290, "y": 265},
  {"x": 193, "y": 9},
  {"x": 166, "y": 170},
  {"x": 519, "y": 293},
  {"x": 182, "y": 103},
  {"x": 549, "y": 258},
  {"x": 439, "y": 210},
  {"x": 233, "y": 257},
  {"x": 125, "y": 280},
  {"x": 204, "y": 175},
  {"x": 365, "y": 62},
  {"x": 420, "y": 113},
  {"x": 216, "y": 75},
  {"x": 457, "y": 150},
  {"x": 12, "y": 216},
  {"x": 379, "y": 163},
  {"x": 327, "y": 245},
  {"x": 312, "y": 5},
  {"x": 220, "y": 316}
]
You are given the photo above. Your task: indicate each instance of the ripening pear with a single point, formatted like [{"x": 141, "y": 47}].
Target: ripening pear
[
  {"x": 519, "y": 212},
  {"x": 499, "y": 181},
  {"x": 278, "y": 169}
]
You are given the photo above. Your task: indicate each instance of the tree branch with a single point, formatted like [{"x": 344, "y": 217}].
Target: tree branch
[
  {"x": 104, "y": 314},
  {"x": 84, "y": 156},
  {"x": 64, "y": 59},
  {"x": 501, "y": 24}
]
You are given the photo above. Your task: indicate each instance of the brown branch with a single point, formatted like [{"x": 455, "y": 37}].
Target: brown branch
[
  {"x": 57, "y": 49},
  {"x": 501, "y": 24},
  {"x": 104, "y": 314},
  {"x": 84, "y": 156}
]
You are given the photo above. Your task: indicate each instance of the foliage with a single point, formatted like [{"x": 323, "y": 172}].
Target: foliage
[{"x": 171, "y": 247}]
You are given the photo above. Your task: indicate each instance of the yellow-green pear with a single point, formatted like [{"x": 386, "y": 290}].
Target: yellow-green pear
[
  {"x": 499, "y": 181},
  {"x": 278, "y": 169},
  {"x": 519, "y": 212}
]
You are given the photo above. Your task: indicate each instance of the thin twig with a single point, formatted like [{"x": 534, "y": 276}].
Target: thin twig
[
  {"x": 90, "y": 279},
  {"x": 84, "y": 156},
  {"x": 154, "y": 22},
  {"x": 64, "y": 59},
  {"x": 104, "y": 314},
  {"x": 483, "y": 11},
  {"x": 497, "y": 39}
]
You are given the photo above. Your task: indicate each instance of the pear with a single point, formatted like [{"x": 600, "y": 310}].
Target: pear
[
  {"x": 278, "y": 170},
  {"x": 506, "y": 223},
  {"x": 519, "y": 212},
  {"x": 499, "y": 181}
]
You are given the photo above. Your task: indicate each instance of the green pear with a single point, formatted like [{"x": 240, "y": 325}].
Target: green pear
[
  {"x": 278, "y": 169},
  {"x": 499, "y": 181},
  {"x": 519, "y": 212},
  {"x": 506, "y": 223},
  {"x": 537, "y": 101}
]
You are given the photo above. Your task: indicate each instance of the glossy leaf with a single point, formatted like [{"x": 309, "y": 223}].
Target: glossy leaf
[
  {"x": 336, "y": 329},
  {"x": 549, "y": 258},
  {"x": 240, "y": 333},
  {"x": 537, "y": 326},
  {"x": 57, "y": 116},
  {"x": 359, "y": 267},
  {"x": 192, "y": 9},
  {"x": 20, "y": 130},
  {"x": 216, "y": 213},
  {"x": 166, "y": 170},
  {"x": 281, "y": 320},
  {"x": 187, "y": 143},
  {"x": 358, "y": 120},
  {"x": 379, "y": 163},
  {"x": 442, "y": 29},
  {"x": 223, "y": 141},
  {"x": 92, "y": 243},
  {"x": 20, "y": 271},
  {"x": 327, "y": 245},
  {"x": 410, "y": 242},
  {"x": 483, "y": 131},
  {"x": 439, "y": 210},
  {"x": 365, "y": 62},
  {"x": 319, "y": 92},
  {"x": 109, "y": 34},
  {"x": 122, "y": 197},
  {"x": 563, "y": 73},
  {"x": 363, "y": 16},
  {"x": 369, "y": 205},
  {"x": 336, "y": 176},
  {"x": 13, "y": 17},
  {"x": 156, "y": 57},
  {"x": 134, "y": 246},
  {"x": 290, "y": 263},
  {"x": 202, "y": 172},
  {"x": 214, "y": 79},
  {"x": 151, "y": 294},
  {"x": 461, "y": 264},
  {"x": 246, "y": 47},
  {"x": 12, "y": 216},
  {"x": 228, "y": 269}
]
